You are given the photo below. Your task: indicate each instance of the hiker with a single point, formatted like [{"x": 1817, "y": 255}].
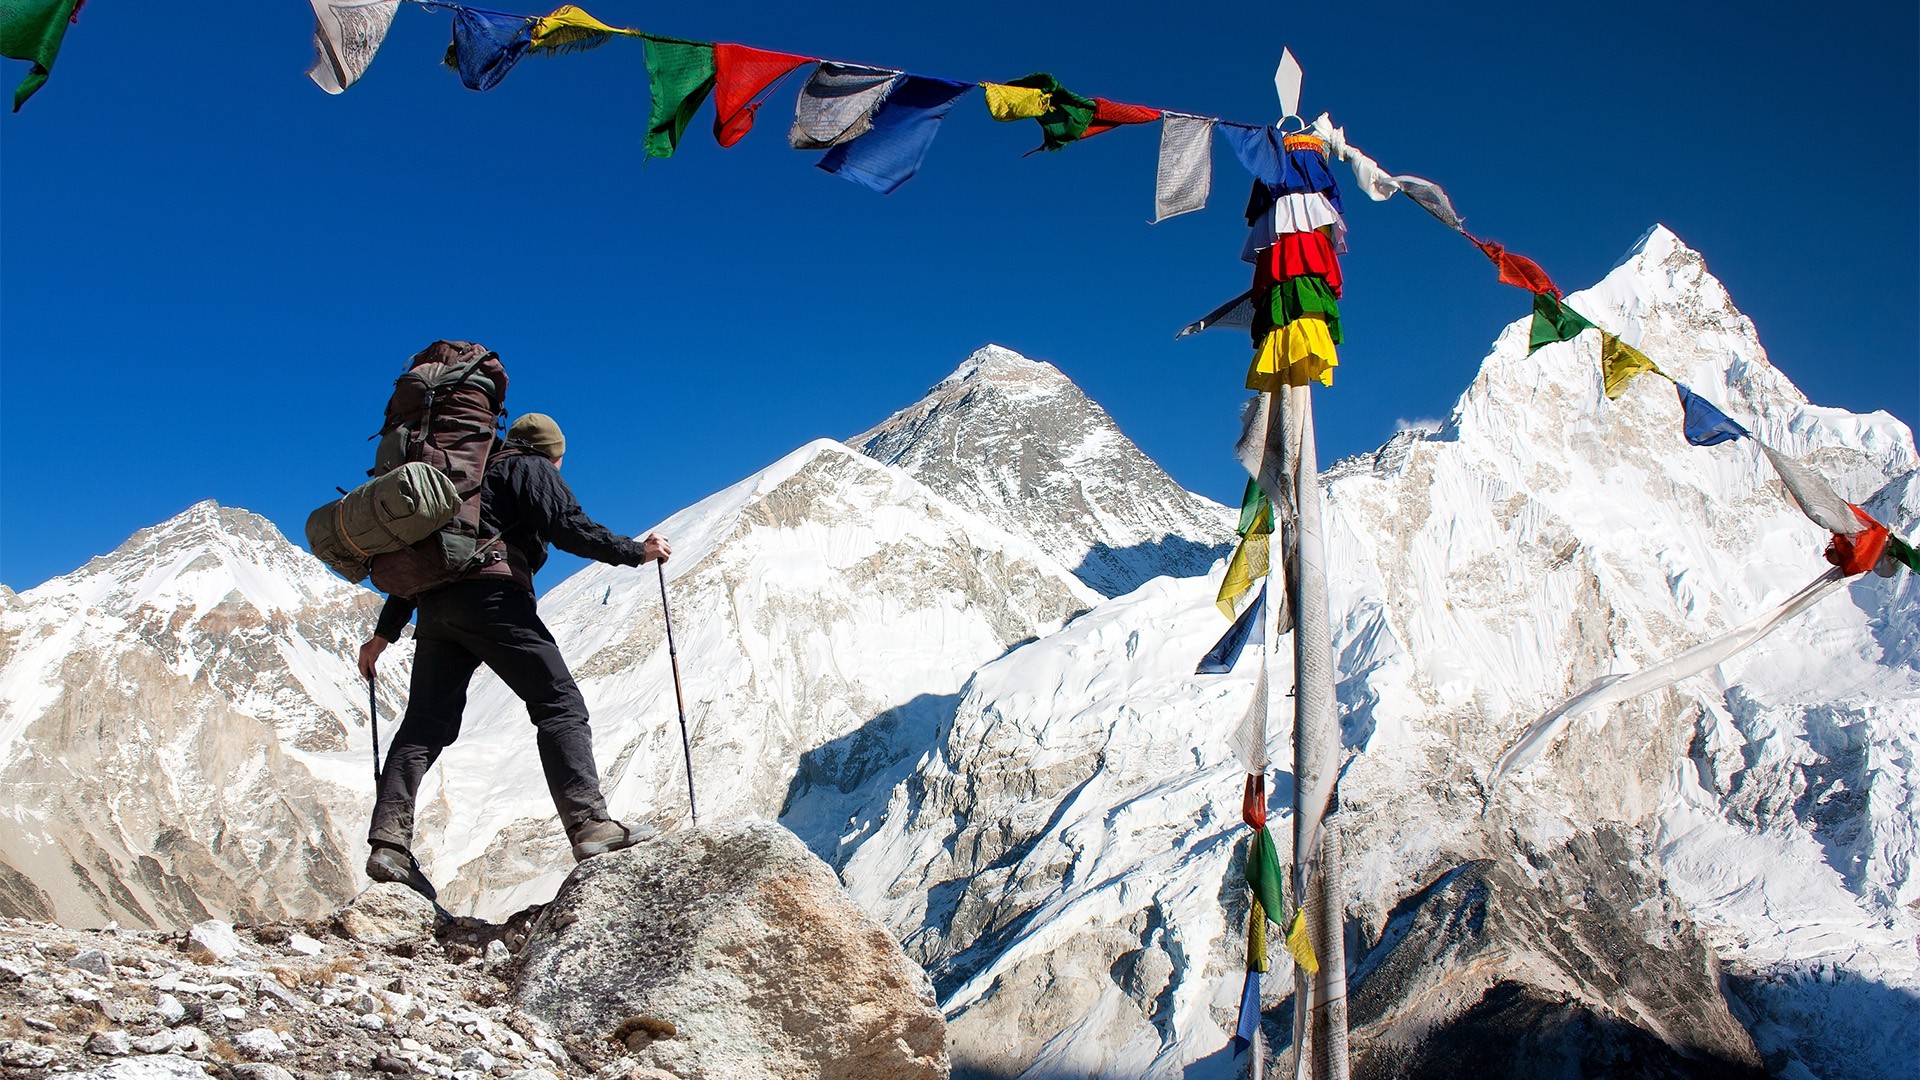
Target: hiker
[{"x": 490, "y": 617}]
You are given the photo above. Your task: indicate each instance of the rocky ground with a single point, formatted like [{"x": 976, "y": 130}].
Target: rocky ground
[{"x": 385, "y": 987}]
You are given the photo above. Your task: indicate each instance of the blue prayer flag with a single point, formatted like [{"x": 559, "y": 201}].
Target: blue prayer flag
[
  {"x": 1226, "y": 652},
  {"x": 903, "y": 129},
  {"x": 1249, "y": 1014},
  {"x": 1706, "y": 424},
  {"x": 485, "y": 47},
  {"x": 1285, "y": 172}
]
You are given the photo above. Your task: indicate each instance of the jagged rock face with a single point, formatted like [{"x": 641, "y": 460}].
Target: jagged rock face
[
  {"x": 162, "y": 711},
  {"x": 730, "y": 951},
  {"x": 1077, "y": 827},
  {"x": 1014, "y": 441}
]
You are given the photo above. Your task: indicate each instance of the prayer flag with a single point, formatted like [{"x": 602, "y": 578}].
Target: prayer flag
[
  {"x": 1903, "y": 552},
  {"x": 1431, "y": 199},
  {"x": 1859, "y": 551},
  {"x": 1297, "y": 254},
  {"x": 1250, "y": 738},
  {"x": 903, "y": 129},
  {"x": 1067, "y": 115},
  {"x": 1706, "y": 425},
  {"x": 1819, "y": 502},
  {"x": 571, "y": 29},
  {"x": 1619, "y": 363},
  {"x": 1226, "y": 652},
  {"x": 1238, "y": 311},
  {"x": 1301, "y": 297},
  {"x": 837, "y": 105},
  {"x": 1256, "y": 936},
  {"x": 1007, "y": 103},
  {"x": 1108, "y": 115},
  {"x": 346, "y": 34},
  {"x": 1249, "y": 1023},
  {"x": 740, "y": 75},
  {"x": 1249, "y": 564},
  {"x": 33, "y": 30},
  {"x": 1517, "y": 270},
  {"x": 1256, "y": 513},
  {"x": 680, "y": 75},
  {"x": 1296, "y": 354},
  {"x": 1300, "y": 945},
  {"x": 1554, "y": 321},
  {"x": 1283, "y": 171},
  {"x": 1379, "y": 186},
  {"x": 486, "y": 46},
  {"x": 1253, "y": 801},
  {"x": 1265, "y": 873},
  {"x": 1185, "y": 174}
]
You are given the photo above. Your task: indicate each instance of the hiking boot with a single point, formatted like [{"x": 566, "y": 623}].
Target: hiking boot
[
  {"x": 592, "y": 838},
  {"x": 397, "y": 865}
]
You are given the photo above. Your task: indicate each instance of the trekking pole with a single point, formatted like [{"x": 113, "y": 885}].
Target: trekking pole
[
  {"x": 373, "y": 711},
  {"x": 679, "y": 698}
]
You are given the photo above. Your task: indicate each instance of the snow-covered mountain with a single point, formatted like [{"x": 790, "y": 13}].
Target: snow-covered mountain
[
  {"x": 1014, "y": 441},
  {"x": 947, "y": 661}
]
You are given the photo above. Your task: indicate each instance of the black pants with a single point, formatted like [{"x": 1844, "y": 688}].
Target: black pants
[{"x": 492, "y": 622}]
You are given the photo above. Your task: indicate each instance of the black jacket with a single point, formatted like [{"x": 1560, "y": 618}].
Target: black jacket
[{"x": 526, "y": 503}]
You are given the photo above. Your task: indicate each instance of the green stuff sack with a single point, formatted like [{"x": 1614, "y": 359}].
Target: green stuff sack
[{"x": 386, "y": 514}]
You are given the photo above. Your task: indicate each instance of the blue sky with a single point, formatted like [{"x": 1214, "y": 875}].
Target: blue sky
[{"x": 210, "y": 271}]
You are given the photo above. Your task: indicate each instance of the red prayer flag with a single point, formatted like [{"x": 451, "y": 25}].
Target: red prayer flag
[
  {"x": 1517, "y": 270},
  {"x": 740, "y": 73},
  {"x": 1858, "y": 553},
  {"x": 1253, "y": 802},
  {"x": 1296, "y": 255},
  {"x": 1108, "y": 115}
]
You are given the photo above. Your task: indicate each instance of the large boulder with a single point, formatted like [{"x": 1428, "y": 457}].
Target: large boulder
[{"x": 730, "y": 951}]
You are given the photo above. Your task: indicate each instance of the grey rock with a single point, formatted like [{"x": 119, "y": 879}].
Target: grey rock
[
  {"x": 114, "y": 1043},
  {"x": 386, "y": 914},
  {"x": 260, "y": 1070},
  {"x": 26, "y": 1055},
  {"x": 497, "y": 952},
  {"x": 214, "y": 942},
  {"x": 743, "y": 941},
  {"x": 170, "y": 1010},
  {"x": 151, "y": 1067},
  {"x": 93, "y": 961},
  {"x": 260, "y": 1044},
  {"x": 477, "y": 1057}
]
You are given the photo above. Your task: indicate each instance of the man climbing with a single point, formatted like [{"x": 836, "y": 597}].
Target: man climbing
[{"x": 490, "y": 617}]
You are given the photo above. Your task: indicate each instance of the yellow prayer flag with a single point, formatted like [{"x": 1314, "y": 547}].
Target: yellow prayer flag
[
  {"x": 1257, "y": 937},
  {"x": 1299, "y": 946},
  {"x": 568, "y": 25},
  {"x": 1016, "y": 102},
  {"x": 1620, "y": 362},
  {"x": 1248, "y": 565},
  {"x": 1296, "y": 354}
]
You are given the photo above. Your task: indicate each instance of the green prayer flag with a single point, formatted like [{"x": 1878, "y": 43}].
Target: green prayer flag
[
  {"x": 1295, "y": 298},
  {"x": 1264, "y": 874},
  {"x": 1554, "y": 321},
  {"x": 1904, "y": 552},
  {"x": 1068, "y": 114},
  {"x": 1620, "y": 362},
  {"x": 680, "y": 74},
  {"x": 32, "y": 30},
  {"x": 1256, "y": 514}
]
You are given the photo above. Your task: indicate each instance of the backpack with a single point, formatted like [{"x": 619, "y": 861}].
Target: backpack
[{"x": 443, "y": 416}]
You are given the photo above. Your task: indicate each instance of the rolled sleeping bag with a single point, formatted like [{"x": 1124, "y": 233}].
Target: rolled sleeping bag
[{"x": 390, "y": 512}]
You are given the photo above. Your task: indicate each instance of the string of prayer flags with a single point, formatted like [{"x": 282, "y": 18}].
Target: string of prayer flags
[
  {"x": 1184, "y": 177},
  {"x": 569, "y": 29},
  {"x": 1705, "y": 424},
  {"x": 740, "y": 75},
  {"x": 1065, "y": 115},
  {"x": 680, "y": 75},
  {"x": 1108, "y": 115},
  {"x": 1007, "y": 103},
  {"x": 345, "y": 37},
  {"x": 837, "y": 105},
  {"x": 1300, "y": 945},
  {"x": 1378, "y": 185},
  {"x": 1619, "y": 363},
  {"x": 33, "y": 30},
  {"x": 486, "y": 46},
  {"x": 903, "y": 129},
  {"x": 1517, "y": 270},
  {"x": 1553, "y": 321}
]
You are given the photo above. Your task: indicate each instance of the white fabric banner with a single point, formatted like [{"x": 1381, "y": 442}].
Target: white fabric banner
[
  {"x": 837, "y": 105},
  {"x": 346, "y": 34},
  {"x": 1614, "y": 688},
  {"x": 1378, "y": 185},
  {"x": 1184, "y": 178},
  {"x": 1818, "y": 501}
]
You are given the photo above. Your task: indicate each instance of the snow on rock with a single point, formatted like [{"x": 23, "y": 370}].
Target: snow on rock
[{"x": 1016, "y": 442}]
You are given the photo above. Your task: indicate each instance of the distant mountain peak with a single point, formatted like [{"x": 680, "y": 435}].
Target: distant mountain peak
[{"x": 1001, "y": 366}]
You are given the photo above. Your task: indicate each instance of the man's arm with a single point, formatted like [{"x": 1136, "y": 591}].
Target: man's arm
[
  {"x": 393, "y": 619},
  {"x": 558, "y": 517}
]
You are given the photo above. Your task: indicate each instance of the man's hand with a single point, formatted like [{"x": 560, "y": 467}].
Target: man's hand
[
  {"x": 654, "y": 547},
  {"x": 370, "y": 655}
]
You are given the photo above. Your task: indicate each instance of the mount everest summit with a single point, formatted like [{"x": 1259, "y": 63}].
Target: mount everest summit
[{"x": 955, "y": 655}]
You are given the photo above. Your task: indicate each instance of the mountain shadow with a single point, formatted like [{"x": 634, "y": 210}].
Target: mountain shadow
[
  {"x": 839, "y": 790},
  {"x": 1115, "y": 571}
]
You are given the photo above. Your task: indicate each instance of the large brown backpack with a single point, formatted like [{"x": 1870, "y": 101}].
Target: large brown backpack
[{"x": 445, "y": 411}]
